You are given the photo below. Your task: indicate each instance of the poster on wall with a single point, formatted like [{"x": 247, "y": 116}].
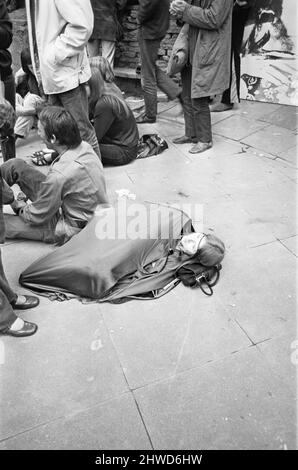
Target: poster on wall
[{"x": 269, "y": 69}]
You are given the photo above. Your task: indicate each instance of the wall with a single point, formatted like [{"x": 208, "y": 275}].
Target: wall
[{"x": 127, "y": 52}]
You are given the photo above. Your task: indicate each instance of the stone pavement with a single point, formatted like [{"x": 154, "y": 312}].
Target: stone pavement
[{"x": 185, "y": 371}]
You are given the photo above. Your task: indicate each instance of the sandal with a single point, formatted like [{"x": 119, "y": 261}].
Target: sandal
[{"x": 41, "y": 158}]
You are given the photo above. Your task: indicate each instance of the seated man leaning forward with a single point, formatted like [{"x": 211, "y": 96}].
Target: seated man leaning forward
[{"x": 62, "y": 202}]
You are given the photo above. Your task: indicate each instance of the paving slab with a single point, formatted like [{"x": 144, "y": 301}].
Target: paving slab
[
  {"x": 234, "y": 403},
  {"x": 258, "y": 290},
  {"x": 114, "y": 425},
  {"x": 238, "y": 127},
  {"x": 291, "y": 156},
  {"x": 18, "y": 256},
  {"x": 281, "y": 355},
  {"x": 284, "y": 116},
  {"x": 291, "y": 244},
  {"x": 230, "y": 222},
  {"x": 68, "y": 366},
  {"x": 272, "y": 139},
  {"x": 155, "y": 340}
]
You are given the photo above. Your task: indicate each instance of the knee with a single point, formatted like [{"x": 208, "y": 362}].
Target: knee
[{"x": 12, "y": 165}]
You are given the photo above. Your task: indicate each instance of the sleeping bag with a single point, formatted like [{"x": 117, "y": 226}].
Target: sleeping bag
[{"x": 117, "y": 267}]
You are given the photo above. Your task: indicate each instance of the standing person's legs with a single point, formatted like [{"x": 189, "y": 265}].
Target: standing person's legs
[
  {"x": 108, "y": 51},
  {"x": 190, "y": 131},
  {"x": 93, "y": 47},
  {"x": 10, "y": 323},
  {"x": 7, "y": 315},
  {"x": 8, "y": 145},
  {"x": 202, "y": 122},
  {"x": 149, "y": 53},
  {"x": 76, "y": 103},
  {"x": 166, "y": 84},
  {"x": 5, "y": 288},
  {"x": 240, "y": 18}
]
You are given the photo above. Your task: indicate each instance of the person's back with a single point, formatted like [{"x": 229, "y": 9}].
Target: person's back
[
  {"x": 154, "y": 18},
  {"x": 122, "y": 128},
  {"x": 80, "y": 173}
]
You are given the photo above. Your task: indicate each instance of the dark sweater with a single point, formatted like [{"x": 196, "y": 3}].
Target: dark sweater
[
  {"x": 115, "y": 124},
  {"x": 154, "y": 18},
  {"x": 5, "y": 41}
]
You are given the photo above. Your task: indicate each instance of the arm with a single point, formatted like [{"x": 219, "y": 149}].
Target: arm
[
  {"x": 146, "y": 10},
  {"x": 208, "y": 18},
  {"x": 103, "y": 119},
  {"x": 47, "y": 204},
  {"x": 5, "y": 27},
  {"x": 79, "y": 18}
]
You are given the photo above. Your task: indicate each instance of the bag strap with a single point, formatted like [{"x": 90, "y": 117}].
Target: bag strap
[{"x": 202, "y": 279}]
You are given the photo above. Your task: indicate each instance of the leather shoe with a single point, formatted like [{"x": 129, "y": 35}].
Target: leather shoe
[
  {"x": 27, "y": 330},
  {"x": 200, "y": 147},
  {"x": 183, "y": 140},
  {"x": 144, "y": 119},
  {"x": 219, "y": 107},
  {"x": 30, "y": 302}
]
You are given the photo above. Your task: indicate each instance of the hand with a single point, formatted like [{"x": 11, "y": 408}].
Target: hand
[
  {"x": 177, "y": 7},
  {"x": 17, "y": 206}
]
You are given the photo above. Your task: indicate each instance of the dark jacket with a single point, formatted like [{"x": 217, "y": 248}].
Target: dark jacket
[
  {"x": 209, "y": 45},
  {"x": 106, "y": 25},
  {"x": 154, "y": 18},
  {"x": 5, "y": 41}
]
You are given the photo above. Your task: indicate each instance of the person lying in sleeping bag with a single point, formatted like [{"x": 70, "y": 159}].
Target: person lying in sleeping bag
[{"x": 119, "y": 256}]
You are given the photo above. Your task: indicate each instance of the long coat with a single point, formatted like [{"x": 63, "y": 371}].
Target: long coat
[
  {"x": 106, "y": 25},
  {"x": 209, "y": 45}
]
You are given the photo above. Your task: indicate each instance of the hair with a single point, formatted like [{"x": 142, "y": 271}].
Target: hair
[
  {"x": 104, "y": 67},
  {"x": 212, "y": 252},
  {"x": 60, "y": 123},
  {"x": 98, "y": 89},
  {"x": 26, "y": 60}
]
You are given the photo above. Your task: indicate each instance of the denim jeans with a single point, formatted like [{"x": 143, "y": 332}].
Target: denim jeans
[
  {"x": 8, "y": 145},
  {"x": 29, "y": 179},
  {"x": 196, "y": 111},
  {"x": 76, "y": 103},
  {"x": 7, "y": 315},
  {"x": 152, "y": 76}
]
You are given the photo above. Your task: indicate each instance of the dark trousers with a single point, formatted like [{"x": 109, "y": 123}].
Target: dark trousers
[
  {"x": 76, "y": 103},
  {"x": 153, "y": 77},
  {"x": 196, "y": 111},
  {"x": 29, "y": 179},
  {"x": 113, "y": 155},
  {"x": 8, "y": 145},
  {"x": 240, "y": 16},
  {"x": 7, "y": 315}
]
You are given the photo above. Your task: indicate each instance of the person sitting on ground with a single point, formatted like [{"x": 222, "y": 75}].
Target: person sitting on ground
[
  {"x": 63, "y": 201},
  {"x": 28, "y": 98},
  {"x": 102, "y": 65},
  {"x": 10, "y": 323},
  {"x": 106, "y": 262},
  {"x": 114, "y": 123}
]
